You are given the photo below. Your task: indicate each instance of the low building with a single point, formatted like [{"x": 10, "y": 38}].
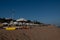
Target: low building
[{"x": 21, "y": 21}]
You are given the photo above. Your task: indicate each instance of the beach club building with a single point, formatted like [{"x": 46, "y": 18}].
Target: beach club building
[
  {"x": 23, "y": 21},
  {"x": 19, "y": 22}
]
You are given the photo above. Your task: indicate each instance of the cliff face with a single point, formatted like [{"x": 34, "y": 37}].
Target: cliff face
[{"x": 35, "y": 33}]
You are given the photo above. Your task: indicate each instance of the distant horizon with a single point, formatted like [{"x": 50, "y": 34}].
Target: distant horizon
[{"x": 31, "y": 20}]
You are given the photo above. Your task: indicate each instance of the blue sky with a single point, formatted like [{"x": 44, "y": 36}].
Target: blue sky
[{"x": 46, "y": 11}]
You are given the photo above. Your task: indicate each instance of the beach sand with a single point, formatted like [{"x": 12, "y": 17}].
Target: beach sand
[{"x": 35, "y": 33}]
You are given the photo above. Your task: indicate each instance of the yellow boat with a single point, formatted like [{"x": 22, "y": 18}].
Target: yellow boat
[{"x": 10, "y": 28}]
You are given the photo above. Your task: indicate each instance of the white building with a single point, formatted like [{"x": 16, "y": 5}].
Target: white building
[{"x": 21, "y": 19}]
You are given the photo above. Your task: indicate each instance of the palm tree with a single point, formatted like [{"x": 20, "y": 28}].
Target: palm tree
[
  {"x": 28, "y": 21},
  {"x": 36, "y": 22}
]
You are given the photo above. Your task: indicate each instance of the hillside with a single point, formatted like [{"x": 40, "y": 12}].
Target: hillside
[{"x": 35, "y": 33}]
